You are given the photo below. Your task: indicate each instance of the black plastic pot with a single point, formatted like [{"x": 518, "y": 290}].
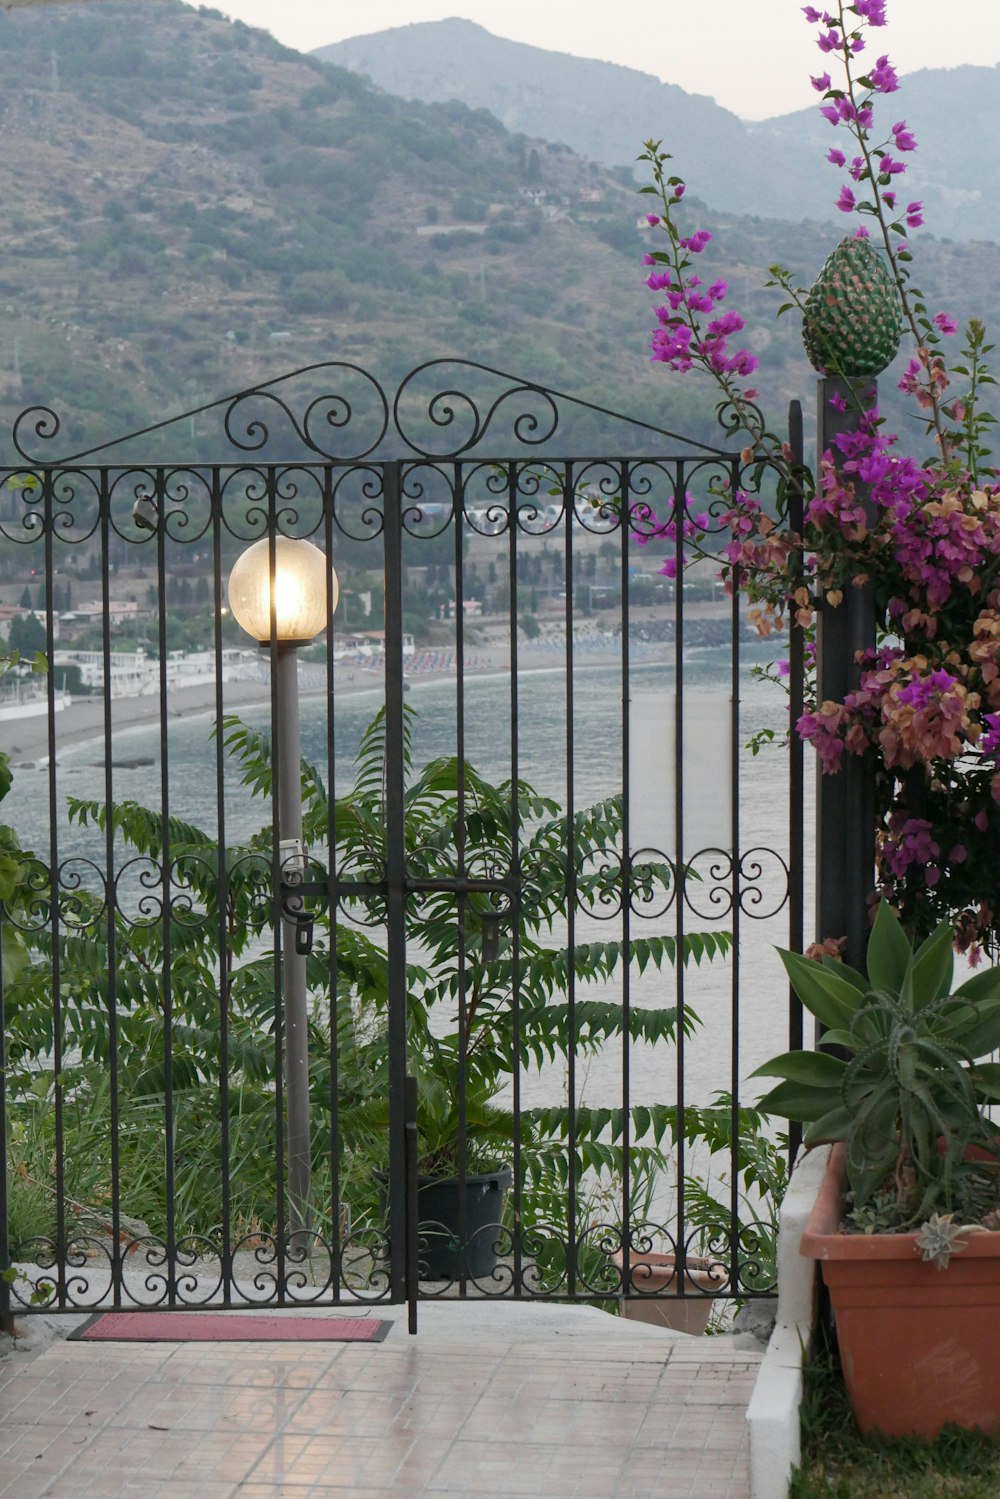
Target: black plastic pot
[{"x": 441, "y": 1251}]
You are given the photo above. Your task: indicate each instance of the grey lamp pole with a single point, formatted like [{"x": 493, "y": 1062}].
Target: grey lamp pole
[
  {"x": 293, "y": 962},
  {"x": 296, "y": 603}
]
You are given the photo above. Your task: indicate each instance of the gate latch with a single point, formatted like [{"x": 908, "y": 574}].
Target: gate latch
[{"x": 490, "y": 936}]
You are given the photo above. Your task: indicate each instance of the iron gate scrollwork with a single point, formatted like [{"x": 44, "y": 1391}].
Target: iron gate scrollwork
[{"x": 524, "y": 954}]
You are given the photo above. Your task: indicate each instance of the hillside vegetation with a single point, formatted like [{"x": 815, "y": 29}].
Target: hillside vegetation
[{"x": 191, "y": 208}]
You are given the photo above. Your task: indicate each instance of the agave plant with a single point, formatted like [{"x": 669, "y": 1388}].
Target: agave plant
[{"x": 905, "y": 1088}]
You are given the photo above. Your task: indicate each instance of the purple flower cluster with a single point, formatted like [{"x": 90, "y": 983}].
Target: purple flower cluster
[
  {"x": 922, "y": 692},
  {"x": 680, "y": 341},
  {"x": 851, "y": 105},
  {"x": 652, "y": 530},
  {"x": 910, "y": 841},
  {"x": 989, "y": 745}
]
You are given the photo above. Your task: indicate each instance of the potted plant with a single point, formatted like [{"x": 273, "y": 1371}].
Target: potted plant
[
  {"x": 461, "y": 1190},
  {"x": 654, "y": 1283},
  {"x": 907, "y": 1224}
]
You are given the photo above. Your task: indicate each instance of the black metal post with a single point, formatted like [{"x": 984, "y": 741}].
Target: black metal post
[
  {"x": 412, "y": 1206},
  {"x": 845, "y": 803}
]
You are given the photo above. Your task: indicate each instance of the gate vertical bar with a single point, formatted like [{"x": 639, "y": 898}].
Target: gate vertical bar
[
  {"x": 680, "y": 881},
  {"x": 395, "y": 871},
  {"x": 625, "y": 518},
  {"x": 6, "y": 1316},
  {"x": 111, "y": 885},
  {"x": 627, "y": 522},
  {"x": 515, "y": 858},
  {"x": 337, "y": 1216},
  {"x": 55, "y": 905},
  {"x": 222, "y": 896},
  {"x": 170, "y": 1162},
  {"x": 735, "y": 838},
  {"x": 569, "y": 502},
  {"x": 458, "y": 509},
  {"x": 283, "y": 1210},
  {"x": 796, "y": 768}
]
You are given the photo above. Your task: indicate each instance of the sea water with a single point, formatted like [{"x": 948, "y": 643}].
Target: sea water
[{"x": 741, "y": 1005}]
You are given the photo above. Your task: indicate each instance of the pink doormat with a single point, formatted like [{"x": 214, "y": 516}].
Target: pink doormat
[{"x": 227, "y": 1327}]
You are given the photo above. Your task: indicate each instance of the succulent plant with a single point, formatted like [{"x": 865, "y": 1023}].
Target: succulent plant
[
  {"x": 906, "y": 1091},
  {"x": 852, "y": 320},
  {"x": 941, "y": 1237}
]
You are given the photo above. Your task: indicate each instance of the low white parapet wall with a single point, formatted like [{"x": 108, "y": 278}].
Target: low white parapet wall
[
  {"x": 35, "y": 707},
  {"x": 773, "y": 1414}
]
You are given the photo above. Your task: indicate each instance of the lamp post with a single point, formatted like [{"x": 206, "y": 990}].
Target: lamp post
[{"x": 288, "y": 606}]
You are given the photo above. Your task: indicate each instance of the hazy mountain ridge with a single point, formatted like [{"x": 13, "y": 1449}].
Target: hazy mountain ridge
[
  {"x": 190, "y": 208},
  {"x": 774, "y": 166}
]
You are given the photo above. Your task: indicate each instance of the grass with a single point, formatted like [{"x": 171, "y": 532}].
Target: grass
[{"x": 838, "y": 1463}]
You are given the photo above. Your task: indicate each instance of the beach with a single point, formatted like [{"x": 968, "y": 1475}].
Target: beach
[{"x": 26, "y": 739}]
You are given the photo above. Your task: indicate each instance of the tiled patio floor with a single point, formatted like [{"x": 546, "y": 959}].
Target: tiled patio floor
[{"x": 553, "y": 1402}]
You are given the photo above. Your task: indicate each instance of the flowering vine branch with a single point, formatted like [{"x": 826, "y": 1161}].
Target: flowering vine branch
[{"x": 925, "y": 536}]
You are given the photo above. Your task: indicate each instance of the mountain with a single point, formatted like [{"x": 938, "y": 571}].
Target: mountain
[
  {"x": 775, "y": 166},
  {"x": 601, "y": 110},
  {"x": 190, "y": 209},
  {"x": 955, "y": 171}
]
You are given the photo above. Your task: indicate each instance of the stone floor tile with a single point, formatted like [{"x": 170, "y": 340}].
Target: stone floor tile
[
  {"x": 107, "y": 1485},
  {"x": 549, "y": 1418},
  {"x": 162, "y": 1455},
  {"x": 205, "y": 1408},
  {"x": 297, "y": 1491},
  {"x": 352, "y": 1461}
]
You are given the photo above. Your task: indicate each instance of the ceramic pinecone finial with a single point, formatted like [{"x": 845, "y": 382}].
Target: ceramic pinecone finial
[{"x": 853, "y": 319}]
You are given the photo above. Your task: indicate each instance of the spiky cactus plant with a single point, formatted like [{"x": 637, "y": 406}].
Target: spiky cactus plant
[{"x": 907, "y": 1092}]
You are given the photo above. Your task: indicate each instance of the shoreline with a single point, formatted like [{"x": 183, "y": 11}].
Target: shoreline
[
  {"x": 26, "y": 739},
  {"x": 82, "y": 723}
]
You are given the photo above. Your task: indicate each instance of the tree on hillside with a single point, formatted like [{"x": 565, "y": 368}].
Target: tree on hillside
[{"x": 27, "y": 635}]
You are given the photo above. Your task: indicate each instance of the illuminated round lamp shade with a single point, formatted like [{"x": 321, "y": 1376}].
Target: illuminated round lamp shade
[{"x": 302, "y": 605}]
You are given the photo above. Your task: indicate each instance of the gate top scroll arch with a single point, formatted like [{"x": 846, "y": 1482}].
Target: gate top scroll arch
[{"x": 335, "y": 411}]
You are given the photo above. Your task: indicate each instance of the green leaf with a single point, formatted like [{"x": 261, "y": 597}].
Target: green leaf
[
  {"x": 836, "y": 965},
  {"x": 10, "y": 867},
  {"x": 14, "y": 957},
  {"x": 986, "y": 1080},
  {"x": 814, "y": 1068},
  {"x": 985, "y": 985},
  {"x": 794, "y": 1100},
  {"x": 981, "y": 1032},
  {"x": 934, "y": 966},
  {"x": 836, "y": 1125},
  {"x": 832, "y": 998},
  {"x": 890, "y": 955}
]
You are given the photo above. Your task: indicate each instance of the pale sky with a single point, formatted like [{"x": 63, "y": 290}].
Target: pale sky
[{"x": 753, "y": 56}]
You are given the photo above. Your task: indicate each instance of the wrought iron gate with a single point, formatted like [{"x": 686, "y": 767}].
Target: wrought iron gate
[{"x": 521, "y": 919}]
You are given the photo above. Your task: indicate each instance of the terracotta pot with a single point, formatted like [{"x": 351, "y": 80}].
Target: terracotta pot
[
  {"x": 654, "y": 1285},
  {"x": 918, "y": 1345}
]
